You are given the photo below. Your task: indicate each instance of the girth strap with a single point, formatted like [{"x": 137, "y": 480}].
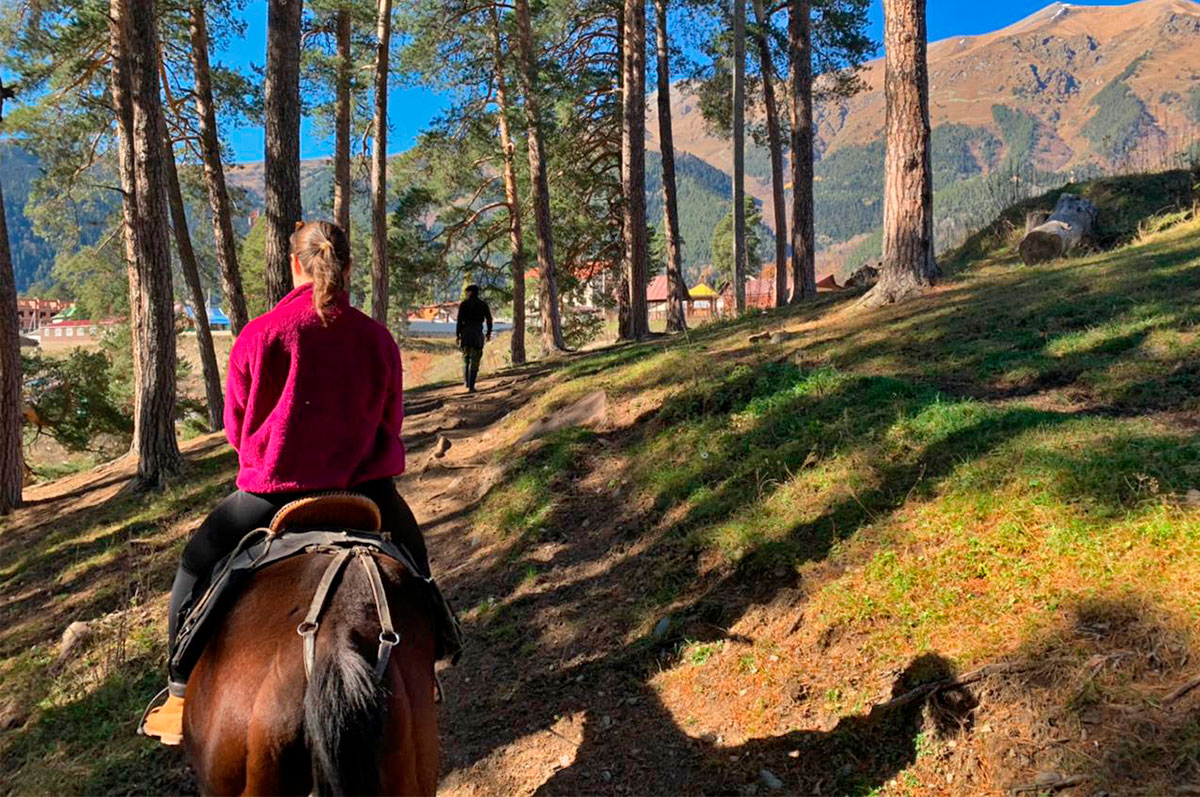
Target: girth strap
[
  {"x": 308, "y": 629},
  {"x": 388, "y": 638}
]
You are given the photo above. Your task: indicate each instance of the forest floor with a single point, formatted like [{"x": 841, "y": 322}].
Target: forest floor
[{"x": 946, "y": 547}]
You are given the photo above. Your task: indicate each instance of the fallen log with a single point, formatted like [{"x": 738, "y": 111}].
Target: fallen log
[
  {"x": 1072, "y": 222},
  {"x": 1035, "y": 219}
]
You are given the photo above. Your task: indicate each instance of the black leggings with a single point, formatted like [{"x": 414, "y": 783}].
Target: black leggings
[{"x": 239, "y": 514}]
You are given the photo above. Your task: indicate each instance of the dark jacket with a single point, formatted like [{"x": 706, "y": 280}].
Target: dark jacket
[{"x": 472, "y": 314}]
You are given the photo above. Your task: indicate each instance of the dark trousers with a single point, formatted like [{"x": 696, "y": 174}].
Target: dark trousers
[
  {"x": 472, "y": 355},
  {"x": 239, "y": 514}
]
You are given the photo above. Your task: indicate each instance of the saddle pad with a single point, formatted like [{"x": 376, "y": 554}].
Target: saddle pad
[{"x": 261, "y": 549}]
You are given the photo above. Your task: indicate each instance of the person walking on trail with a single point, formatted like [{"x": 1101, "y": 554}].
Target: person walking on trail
[{"x": 473, "y": 312}]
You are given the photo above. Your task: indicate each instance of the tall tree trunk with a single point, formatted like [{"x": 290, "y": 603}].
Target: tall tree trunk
[
  {"x": 157, "y": 449},
  {"x": 341, "y": 145},
  {"x": 804, "y": 277},
  {"x": 511, "y": 198},
  {"x": 214, "y": 174},
  {"x": 12, "y": 466},
  {"x": 633, "y": 163},
  {"x": 908, "y": 263},
  {"x": 379, "y": 130},
  {"x": 281, "y": 89},
  {"x": 775, "y": 146},
  {"x": 739, "y": 154},
  {"x": 676, "y": 316},
  {"x": 552, "y": 335},
  {"x": 624, "y": 312},
  {"x": 120, "y": 88},
  {"x": 191, "y": 275}
]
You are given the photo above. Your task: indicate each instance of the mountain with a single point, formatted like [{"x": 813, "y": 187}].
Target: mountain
[{"x": 1064, "y": 93}]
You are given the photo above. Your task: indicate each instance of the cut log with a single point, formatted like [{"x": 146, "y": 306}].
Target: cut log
[
  {"x": 1035, "y": 219},
  {"x": 1072, "y": 221}
]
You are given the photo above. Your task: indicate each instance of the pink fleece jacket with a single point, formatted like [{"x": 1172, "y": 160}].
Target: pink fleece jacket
[{"x": 310, "y": 406}]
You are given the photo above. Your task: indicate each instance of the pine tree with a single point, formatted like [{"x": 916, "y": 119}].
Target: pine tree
[
  {"x": 676, "y": 317},
  {"x": 552, "y": 335},
  {"x": 379, "y": 129},
  {"x": 191, "y": 275},
  {"x": 281, "y": 108},
  {"x": 214, "y": 172},
  {"x": 909, "y": 267},
  {"x": 633, "y": 164},
  {"x": 12, "y": 466},
  {"x": 804, "y": 278},
  {"x": 739, "y": 154},
  {"x": 342, "y": 188},
  {"x": 136, "y": 48},
  {"x": 511, "y": 196}
]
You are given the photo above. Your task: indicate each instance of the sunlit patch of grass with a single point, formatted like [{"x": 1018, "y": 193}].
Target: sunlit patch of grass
[
  {"x": 1077, "y": 508},
  {"x": 530, "y": 496},
  {"x": 1112, "y": 336},
  {"x": 699, "y": 654}
]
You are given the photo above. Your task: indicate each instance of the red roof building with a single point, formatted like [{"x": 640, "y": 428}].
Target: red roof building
[{"x": 656, "y": 291}]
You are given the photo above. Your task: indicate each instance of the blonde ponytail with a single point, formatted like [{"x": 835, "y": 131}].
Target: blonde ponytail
[{"x": 324, "y": 253}]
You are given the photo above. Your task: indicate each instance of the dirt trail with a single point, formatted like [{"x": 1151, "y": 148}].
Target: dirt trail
[
  {"x": 556, "y": 691},
  {"x": 545, "y": 698}
]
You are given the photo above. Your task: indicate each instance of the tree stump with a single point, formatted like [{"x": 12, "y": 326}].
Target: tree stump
[{"x": 1072, "y": 221}]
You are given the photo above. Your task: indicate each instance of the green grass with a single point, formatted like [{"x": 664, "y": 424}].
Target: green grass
[
  {"x": 966, "y": 478},
  {"x": 961, "y": 475}
]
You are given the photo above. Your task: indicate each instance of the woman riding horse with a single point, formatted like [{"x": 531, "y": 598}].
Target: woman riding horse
[{"x": 314, "y": 402}]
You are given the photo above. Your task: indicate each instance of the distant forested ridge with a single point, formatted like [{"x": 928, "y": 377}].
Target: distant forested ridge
[{"x": 33, "y": 257}]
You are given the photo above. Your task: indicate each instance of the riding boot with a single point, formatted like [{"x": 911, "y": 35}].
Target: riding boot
[
  {"x": 182, "y": 598},
  {"x": 474, "y": 369}
]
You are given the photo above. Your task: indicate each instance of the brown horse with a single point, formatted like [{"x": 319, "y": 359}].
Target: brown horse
[{"x": 254, "y": 724}]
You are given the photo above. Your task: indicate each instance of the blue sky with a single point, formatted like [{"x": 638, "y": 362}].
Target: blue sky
[{"x": 412, "y": 109}]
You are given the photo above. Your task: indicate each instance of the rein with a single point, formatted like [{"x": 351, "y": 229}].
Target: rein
[{"x": 388, "y": 638}]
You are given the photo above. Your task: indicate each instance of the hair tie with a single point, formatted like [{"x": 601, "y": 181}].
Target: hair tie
[
  {"x": 326, "y": 247},
  {"x": 299, "y": 225}
]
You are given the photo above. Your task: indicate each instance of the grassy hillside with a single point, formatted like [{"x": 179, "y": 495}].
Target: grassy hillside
[{"x": 757, "y": 557}]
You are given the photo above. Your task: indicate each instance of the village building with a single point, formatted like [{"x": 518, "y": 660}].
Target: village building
[
  {"x": 657, "y": 293},
  {"x": 36, "y": 313},
  {"x": 72, "y": 330}
]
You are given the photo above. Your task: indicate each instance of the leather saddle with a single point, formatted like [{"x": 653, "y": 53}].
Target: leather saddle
[
  {"x": 328, "y": 510},
  {"x": 325, "y": 521}
]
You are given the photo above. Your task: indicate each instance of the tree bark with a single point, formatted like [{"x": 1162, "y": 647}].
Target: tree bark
[
  {"x": 341, "y": 145},
  {"x": 633, "y": 164},
  {"x": 379, "y": 131},
  {"x": 120, "y": 88},
  {"x": 908, "y": 263},
  {"x": 12, "y": 466},
  {"x": 624, "y": 313},
  {"x": 1072, "y": 222},
  {"x": 214, "y": 175},
  {"x": 191, "y": 275},
  {"x": 739, "y": 154},
  {"x": 676, "y": 290},
  {"x": 552, "y": 335},
  {"x": 281, "y": 107},
  {"x": 804, "y": 278},
  {"x": 157, "y": 449},
  {"x": 512, "y": 198},
  {"x": 775, "y": 147}
]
